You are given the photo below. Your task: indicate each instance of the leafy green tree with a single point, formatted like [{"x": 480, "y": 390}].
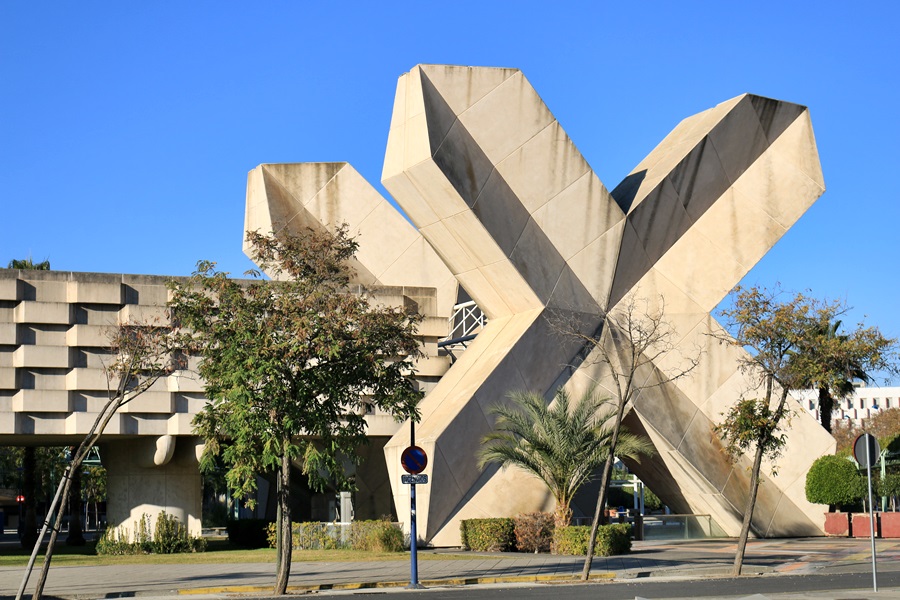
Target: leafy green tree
[
  {"x": 93, "y": 488},
  {"x": 774, "y": 332},
  {"x": 651, "y": 500},
  {"x": 889, "y": 486},
  {"x": 835, "y": 481},
  {"x": 562, "y": 444},
  {"x": 290, "y": 365},
  {"x": 885, "y": 426}
]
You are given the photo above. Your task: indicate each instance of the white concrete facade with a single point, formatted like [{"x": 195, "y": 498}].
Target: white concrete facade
[{"x": 865, "y": 402}]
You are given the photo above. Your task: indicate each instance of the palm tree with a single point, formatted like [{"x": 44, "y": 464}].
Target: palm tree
[
  {"x": 843, "y": 377},
  {"x": 27, "y": 263},
  {"x": 834, "y": 362},
  {"x": 561, "y": 444}
]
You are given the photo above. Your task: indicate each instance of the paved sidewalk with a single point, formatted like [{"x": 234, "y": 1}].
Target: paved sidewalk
[{"x": 648, "y": 559}]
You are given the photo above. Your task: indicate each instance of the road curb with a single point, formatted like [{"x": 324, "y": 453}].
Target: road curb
[{"x": 455, "y": 581}]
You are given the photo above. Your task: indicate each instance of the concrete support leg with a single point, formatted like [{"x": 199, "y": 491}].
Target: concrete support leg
[{"x": 151, "y": 475}]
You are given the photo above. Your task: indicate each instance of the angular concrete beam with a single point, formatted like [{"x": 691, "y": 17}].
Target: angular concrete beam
[
  {"x": 492, "y": 181},
  {"x": 496, "y": 186},
  {"x": 326, "y": 195}
]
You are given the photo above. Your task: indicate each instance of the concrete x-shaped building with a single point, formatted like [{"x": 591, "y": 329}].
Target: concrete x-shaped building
[
  {"x": 507, "y": 209},
  {"x": 508, "y": 213}
]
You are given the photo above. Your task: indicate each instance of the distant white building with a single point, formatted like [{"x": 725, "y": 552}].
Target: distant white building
[{"x": 865, "y": 402}]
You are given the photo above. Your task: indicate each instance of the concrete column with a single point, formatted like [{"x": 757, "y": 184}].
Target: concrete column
[
  {"x": 29, "y": 531},
  {"x": 148, "y": 475}
]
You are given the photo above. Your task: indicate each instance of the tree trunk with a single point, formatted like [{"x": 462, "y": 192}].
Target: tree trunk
[
  {"x": 285, "y": 540},
  {"x": 748, "y": 512},
  {"x": 599, "y": 515},
  {"x": 826, "y": 408},
  {"x": 66, "y": 484},
  {"x": 76, "y": 531}
]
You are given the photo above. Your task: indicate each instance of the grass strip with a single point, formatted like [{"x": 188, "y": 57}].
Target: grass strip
[{"x": 218, "y": 552}]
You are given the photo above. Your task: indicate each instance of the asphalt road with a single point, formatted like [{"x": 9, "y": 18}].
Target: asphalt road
[{"x": 813, "y": 586}]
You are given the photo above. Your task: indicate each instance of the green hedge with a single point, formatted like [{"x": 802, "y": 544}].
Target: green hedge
[
  {"x": 169, "y": 536},
  {"x": 375, "y": 536},
  {"x": 309, "y": 536},
  {"x": 488, "y": 535},
  {"x": 834, "y": 481},
  {"x": 611, "y": 540}
]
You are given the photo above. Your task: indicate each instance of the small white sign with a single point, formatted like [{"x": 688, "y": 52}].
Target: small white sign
[{"x": 414, "y": 479}]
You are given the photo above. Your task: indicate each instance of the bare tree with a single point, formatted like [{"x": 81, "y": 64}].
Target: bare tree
[
  {"x": 140, "y": 355},
  {"x": 628, "y": 347}
]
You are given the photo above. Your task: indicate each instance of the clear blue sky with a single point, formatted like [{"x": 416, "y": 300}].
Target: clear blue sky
[{"x": 127, "y": 129}]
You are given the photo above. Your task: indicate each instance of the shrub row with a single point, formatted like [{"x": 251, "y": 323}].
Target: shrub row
[
  {"x": 374, "y": 536},
  {"x": 534, "y": 532},
  {"x": 488, "y": 535},
  {"x": 612, "y": 540},
  {"x": 169, "y": 536}
]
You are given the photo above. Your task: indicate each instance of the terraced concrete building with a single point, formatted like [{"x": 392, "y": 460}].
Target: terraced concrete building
[{"x": 54, "y": 345}]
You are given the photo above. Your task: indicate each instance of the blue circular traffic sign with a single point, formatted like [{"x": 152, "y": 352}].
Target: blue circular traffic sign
[{"x": 414, "y": 460}]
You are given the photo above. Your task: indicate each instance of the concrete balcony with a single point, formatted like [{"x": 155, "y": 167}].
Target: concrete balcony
[
  {"x": 180, "y": 424},
  {"x": 79, "y": 423},
  {"x": 184, "y": 381},
  {"x": 432, "y": 366},
  {"x": 41, "y": 401},
  {"x": 437, "y": 327},
  {"x": 45, "y": 313},
  {"x": 137, "y": 314},
  {"x": 41, "y": 356},
  {"x": 381, "y": 425},
  {"x": 88, "y": 335},
  {"x": 86, "y": 379},
  {"x": 150, "y": 402},
  {"x": 7, "y": 379},
  {"x": 94, "y": 292},
  {"x": 9, "y": 289},
  {"x": 8, "y": 334}
]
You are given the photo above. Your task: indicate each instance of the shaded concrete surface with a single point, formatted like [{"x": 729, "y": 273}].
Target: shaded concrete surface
[{"x": 655, "y": 560}]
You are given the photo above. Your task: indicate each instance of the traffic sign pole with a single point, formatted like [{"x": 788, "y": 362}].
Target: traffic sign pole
[
  {"x": 413, "y": 550},
  {"x": 413, "y": 554},
  {"x": 865, "y": 456},
  {"x": 871, "y": 513}
]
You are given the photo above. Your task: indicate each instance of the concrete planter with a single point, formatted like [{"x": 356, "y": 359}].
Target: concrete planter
[
  {"x": 890, "y": 524},
  {"x": 837, "y": 524},
  {"x": 861, "y": 527}
]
